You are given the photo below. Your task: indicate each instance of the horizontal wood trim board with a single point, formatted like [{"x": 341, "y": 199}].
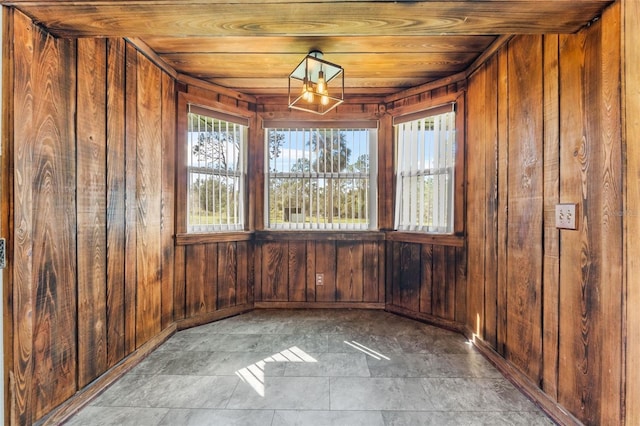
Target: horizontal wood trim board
[
  {"x": 415, "y": 237},
  {"x": 526, "y": 386},
  {"x": 213, "y": 237},
  {"x": 89, "y": 392},
  {"x": 318, "y": 305},
  {"x": 202, "y": 84},
  {"x": 220, "y": 115},
  {"x": 220, "y": 110},
  {"x": 214, "y": 316},
  {"x": 320, "y": 124},
  {"x": 429, "y": 319},
  {"x": 421, "y": 113},
  {"x": 319, "y": 236}
]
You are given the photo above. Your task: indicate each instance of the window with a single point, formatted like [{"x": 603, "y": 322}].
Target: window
[
  {"x": 425, "y": 161},
  {"x": 321, "y": 178},
  {"x": 216, "y": 149}
]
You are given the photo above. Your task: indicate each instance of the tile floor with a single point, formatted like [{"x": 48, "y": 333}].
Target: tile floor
[{"x": 313, "y": 367}]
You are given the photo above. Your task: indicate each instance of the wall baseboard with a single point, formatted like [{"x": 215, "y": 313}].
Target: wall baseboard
[
  {"x": 214, "y": 316},
  {"x": 319, "y": 305},
  {"x": 428, "y": 318},
  {"x": 554, "y": 410},
  {"x": 71, "y": 406}
]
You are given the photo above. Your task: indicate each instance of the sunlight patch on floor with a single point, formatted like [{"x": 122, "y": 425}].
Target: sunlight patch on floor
[{"x": 253, "y": 374}]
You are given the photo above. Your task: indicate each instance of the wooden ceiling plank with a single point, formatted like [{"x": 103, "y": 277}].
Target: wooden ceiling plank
[
  {"x": 315, "y": 19},
  {"x": 329, "y": 45}
]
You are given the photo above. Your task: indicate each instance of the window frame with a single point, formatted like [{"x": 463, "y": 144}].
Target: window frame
[
  {"x": 310, "y": 125},
  {"x": 219, "y": 111},
  {"x": 424, "y": 110}
]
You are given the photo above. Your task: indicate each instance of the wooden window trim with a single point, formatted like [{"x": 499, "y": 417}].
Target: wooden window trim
[
  {"x": 218, "y": 110},
  {"x": 458, "y": 99}
]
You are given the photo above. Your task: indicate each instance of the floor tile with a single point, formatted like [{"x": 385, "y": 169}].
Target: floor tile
[
  {"x": 468, "y": 418},
  {"x": 169, "y": 391},
  {"x": 327, "y": 418},
  {"x": 313, "y": 367},
  {"x": 209, "y": 417},
  {"x": 300, "y": 393},
  {"x": 470, "y": 394},
  {"x": 121, "y": 416},
  {"x": 408, "y": 365},
  {"x": 330, "y": 365},
  {"x": 349, "y": 393}
]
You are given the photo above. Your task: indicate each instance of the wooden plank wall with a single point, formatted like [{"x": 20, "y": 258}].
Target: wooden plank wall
[
  {"x": 45, "y": 264},
  {"x": 427, "y": 281},
  {"x": 217, "y": 277},
  {"x": 558, "y": 294},
  {"x": 352, "y": 270},
  {"x": 631, "y": 215},
  {"x": 93, "y": 184},
  {"x": 214, "y": 273}
]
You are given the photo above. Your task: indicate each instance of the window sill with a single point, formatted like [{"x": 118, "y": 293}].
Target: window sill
[
  {"x": 305, "y": 235},
  {"x": 212, "y": 237},
  {"x": 424, "y": 238}
]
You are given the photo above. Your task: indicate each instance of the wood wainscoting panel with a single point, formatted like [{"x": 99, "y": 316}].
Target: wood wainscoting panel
[
  {"x": 590, "y": 348},
  {"x": 149, "y": 200},
  {"x": 91, "y": 206},
  {"x": 524, "y": 242},
  {"x": 288, "y": 267},
  {"x": 116, "y": 212},
  {"x": 44, "y": 254}
]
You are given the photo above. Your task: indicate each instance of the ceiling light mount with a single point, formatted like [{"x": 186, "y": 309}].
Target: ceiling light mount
[{"x": 316, "y": 85}]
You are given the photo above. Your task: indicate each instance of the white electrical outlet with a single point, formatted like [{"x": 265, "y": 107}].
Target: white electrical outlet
[
  {"x": 566, "y": 216},
  {"x": 319, "y": 279}
]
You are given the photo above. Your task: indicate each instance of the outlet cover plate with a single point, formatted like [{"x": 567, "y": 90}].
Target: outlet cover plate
[{"x": 566, "y": 216}]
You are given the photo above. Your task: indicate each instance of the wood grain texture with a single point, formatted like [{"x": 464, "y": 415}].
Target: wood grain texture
[
  {"x": 577, "y": 301},
  {"x": 590, "y": 362},
  {"x": 461, "y": 286},
  {"x": 502, "y": 90},
  {"x": 296, "y": 264},
  {"x": 551, "y": 260},
  {"x": 227, "y": 275},
  {"x": 475, "y": 202},
  {"x": 426, "y": 279},
  {"x": 311, "y": 271},
  {"x": 243, "y": 274},
  {"x": 371, "y": 272},
  {"x": 631, "y": 127},
  {"x": 491, "y": 202},
  {"x": 116, "y": 190},
  {"x": 167, "y": 215},
  {"x": 24, "y": 34},
  {"x": 131, "y": 217},
  {"x": 7, "y": 151},
  {"x": 349, "y": 272},
  {"x": 195, "y": 280},
  {"x": 91, "y": 206},
  {"x": 274, "y": 272},
  {"x": 149, "y": 200},
  {"x": 348, "y": 18},
  {"x": 524, "y": 244},
  {"x": 409, "y": 288},
  {"x": 441, "y": 287},
  {"x": 54, "y": 224},
  {"x": 610, "y": 180},
  {"x": 326, "y": 265}
]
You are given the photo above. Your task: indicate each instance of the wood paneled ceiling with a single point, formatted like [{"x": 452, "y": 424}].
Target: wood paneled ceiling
[{"x": 252, "y": 46}]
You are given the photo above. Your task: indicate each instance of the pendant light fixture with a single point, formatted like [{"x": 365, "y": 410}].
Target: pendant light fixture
[{"x": 316, "y": 85}]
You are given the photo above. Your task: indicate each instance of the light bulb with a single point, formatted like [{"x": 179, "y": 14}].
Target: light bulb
[
  {"x": 324, "y": 100},
  {"x": 322, "y": 85}
]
